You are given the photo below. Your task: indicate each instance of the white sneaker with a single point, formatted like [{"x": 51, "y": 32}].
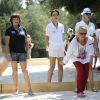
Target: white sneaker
[{"x": 16, "y": 92}]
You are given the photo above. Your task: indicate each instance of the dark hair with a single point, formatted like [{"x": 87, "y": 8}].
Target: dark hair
[
  {"x": 55, "y": 10},
  {"x": 15, "y": 15},
  {"x": 98, "y": 25}
]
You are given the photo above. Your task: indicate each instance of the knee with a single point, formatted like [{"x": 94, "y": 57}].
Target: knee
[
  {"x": 15, "y": 70},
  {"x": 51, "y": 68},
  {"x": 60, "y": 68},
  {"x": 24, "y": 70}
]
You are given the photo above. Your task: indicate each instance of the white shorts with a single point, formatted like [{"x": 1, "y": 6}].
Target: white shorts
[{"x": 56, "y": 50}]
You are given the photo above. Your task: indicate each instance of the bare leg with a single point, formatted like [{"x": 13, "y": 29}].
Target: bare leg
[
  {"x": 95, "y": 60},
  {"x": 75, "y": 81},
  {"x": 15, "y": 73},
  {"x": 91, "y": 74},
  {"x": 60, "y": 69},
  {"x": 25, "y": 73},
  {"x": 51, "y": 69},
  {"x": 91, "y": 79}
]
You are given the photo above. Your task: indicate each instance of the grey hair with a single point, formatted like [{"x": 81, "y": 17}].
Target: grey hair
[{"x": 79, "y": 28}]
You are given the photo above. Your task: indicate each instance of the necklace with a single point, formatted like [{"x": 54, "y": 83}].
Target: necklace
[{"x": 81, "y": 51}]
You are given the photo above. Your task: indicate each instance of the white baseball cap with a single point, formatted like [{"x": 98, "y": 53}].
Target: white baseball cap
[
  {"x": 86, "y": 10},
  {"x": 69, "y": 30}
]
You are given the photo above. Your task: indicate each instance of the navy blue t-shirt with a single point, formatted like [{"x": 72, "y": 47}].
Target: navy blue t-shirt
[{"x": 17, "y": 39}]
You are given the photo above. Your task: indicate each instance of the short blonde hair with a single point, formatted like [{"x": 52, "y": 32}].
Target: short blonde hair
[{"x": 79, "y": 28}]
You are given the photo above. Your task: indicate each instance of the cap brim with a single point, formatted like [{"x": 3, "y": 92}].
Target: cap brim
[{"x": 84, "y": 13}]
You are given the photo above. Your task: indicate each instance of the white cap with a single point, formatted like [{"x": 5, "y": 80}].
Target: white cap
[
  {"x": 69, "y": 30},
  {"x": 86, "y": 10}
]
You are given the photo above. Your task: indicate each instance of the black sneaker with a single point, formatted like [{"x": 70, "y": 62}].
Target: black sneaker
[
  {"x": 98, "y": 68},
  {"x": 30, "y": 92}
]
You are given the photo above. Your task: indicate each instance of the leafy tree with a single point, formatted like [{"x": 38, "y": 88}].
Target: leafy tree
[
  {"x": 35, "y": 19},
  {"x": 9, "y": 6},
  {"x": 73, "y": 6},
  {"x": 28, "y": 2}
]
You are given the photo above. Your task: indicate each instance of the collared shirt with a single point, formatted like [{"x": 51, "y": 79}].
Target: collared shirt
[
  {"x": 55, "y": 34},
  {"x": 17, "y": 39},
  {"x": 90, "y": 27}
]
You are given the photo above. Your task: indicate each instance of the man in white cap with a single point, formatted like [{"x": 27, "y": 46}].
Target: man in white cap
[{"x": 86, "y": 17}]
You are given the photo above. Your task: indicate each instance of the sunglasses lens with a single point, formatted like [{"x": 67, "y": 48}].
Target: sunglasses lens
[
  {"x": 82, "y": 33},
  {"x": 87, "y": 13},
  {"x": 70, "y": 31}
]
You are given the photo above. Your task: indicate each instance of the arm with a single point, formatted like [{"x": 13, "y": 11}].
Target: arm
[
  {"x": 27, "y": 47},
  {"x": 91, "y": 51},
  {"x": 7, "y": 40},
  {"x": 0, "y": 45},
  {"x": 47, "y": 41},
  {"x": 47, "y": 34},
  {"x": 32, "y": 45},
  {"x": 97, "y": 48},
  {"x": 68, "y": 54}
]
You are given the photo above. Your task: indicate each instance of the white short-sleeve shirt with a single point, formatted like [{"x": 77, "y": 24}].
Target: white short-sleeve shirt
[
  {"x": 90, "y": 27},
  {"x": 55, "y": 34}
]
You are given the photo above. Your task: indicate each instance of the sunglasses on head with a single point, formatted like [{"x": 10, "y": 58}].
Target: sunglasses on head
[
  {"x": 87, "y": 13},
  {"x": 70, "y": 31},
  {"x": 82, "y": 33}
]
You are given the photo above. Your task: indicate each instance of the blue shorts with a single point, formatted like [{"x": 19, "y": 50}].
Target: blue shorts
[{"x": 18, "y": 56}]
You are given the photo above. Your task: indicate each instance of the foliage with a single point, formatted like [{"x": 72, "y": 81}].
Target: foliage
[
  {"x": 9, "y": 6},
  {"x": 73, "y": 6},
  {"x": 28, "y": 3},
  {"x": 3, "y": 24},
  {"x": 35, "y": 19},
  {"x": 35, "y": 54}
]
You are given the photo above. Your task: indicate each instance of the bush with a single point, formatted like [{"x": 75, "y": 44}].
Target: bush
[{"x": 34, "y": 53}]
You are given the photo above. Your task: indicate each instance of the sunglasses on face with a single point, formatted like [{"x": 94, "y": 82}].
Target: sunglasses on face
[
  {"x": 87, "y": 13},
  {"x": 70, "y": 31},
  {"x": 82, "y": 33}
]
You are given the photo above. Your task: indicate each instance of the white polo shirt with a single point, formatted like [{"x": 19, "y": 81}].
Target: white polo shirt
[
  {"x": 55, "y": 34},
  {"x": 90, "y": 27}
]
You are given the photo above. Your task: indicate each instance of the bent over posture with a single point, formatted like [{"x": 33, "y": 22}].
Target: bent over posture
[{"x": 80, "y": 51}]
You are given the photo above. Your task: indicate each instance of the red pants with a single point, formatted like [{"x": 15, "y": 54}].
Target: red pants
[{"x": 82, "y": 75}]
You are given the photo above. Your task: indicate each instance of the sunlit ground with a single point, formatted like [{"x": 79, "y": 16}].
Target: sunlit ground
[
  {"x": 38, "y": 73},
  {"x": 62, "y": 95}
]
